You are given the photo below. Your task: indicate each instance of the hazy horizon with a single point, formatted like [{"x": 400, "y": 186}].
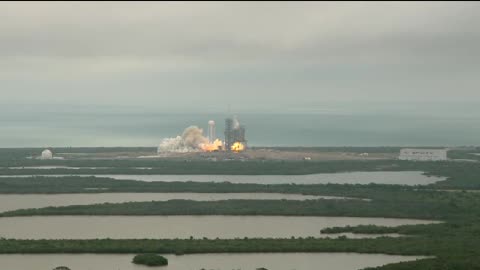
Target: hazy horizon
[{"x": 315, "y": 73}]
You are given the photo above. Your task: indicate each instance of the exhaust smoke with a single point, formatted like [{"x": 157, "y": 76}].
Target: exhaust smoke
[{"x": 191, "y": 140}]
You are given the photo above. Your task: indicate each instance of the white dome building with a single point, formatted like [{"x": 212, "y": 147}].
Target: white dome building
[{"x": 46, "y": 154}]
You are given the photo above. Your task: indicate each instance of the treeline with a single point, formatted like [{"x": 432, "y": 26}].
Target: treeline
[
  {"x": 361, "y": 229},
  {"x": 459, "y": 263},
  {"x": 399, "y": 246},
  {"x": 202, "y": 167},
  {"x": 431, "y": 207},
  {"x": 472, "y": 154},
  {"x": 90, "y": 184},
  {"x": 460, "y": 175},
  {"x": 460, "y": 251},
  {"x": 15, "y": 153},
  {"x": 466, "y": 225},
  {"x": 345, "y": 149},
  {"x": 437, "y": 229}
]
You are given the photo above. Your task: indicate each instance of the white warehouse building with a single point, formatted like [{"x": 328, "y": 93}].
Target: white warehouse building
[{"x": 423, "y": 154}]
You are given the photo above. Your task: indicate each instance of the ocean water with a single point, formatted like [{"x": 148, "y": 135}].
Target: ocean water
[{"x": 29, "y": 128}]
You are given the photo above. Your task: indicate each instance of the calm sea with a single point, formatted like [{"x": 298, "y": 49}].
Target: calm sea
[{"x": 24, "y": 128}]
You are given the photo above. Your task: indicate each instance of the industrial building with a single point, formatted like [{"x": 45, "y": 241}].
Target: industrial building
[
  {"x": 234, "y": 133},
  {"x": 423, "y": 154}
]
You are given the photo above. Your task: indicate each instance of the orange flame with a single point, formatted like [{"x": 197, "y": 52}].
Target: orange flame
[
  {"x": 237, "y": 147},
  {"x": 210, "y": 147}
]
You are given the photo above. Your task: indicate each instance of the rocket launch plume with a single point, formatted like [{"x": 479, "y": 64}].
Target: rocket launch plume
[
  {"x": 191, "y": 140},
  {"x": 237, "y": 147}
]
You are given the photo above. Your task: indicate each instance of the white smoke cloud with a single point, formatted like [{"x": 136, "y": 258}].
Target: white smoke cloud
[
  {"x": 191, "y": 140},
  {"x": 236, "y": 124}
]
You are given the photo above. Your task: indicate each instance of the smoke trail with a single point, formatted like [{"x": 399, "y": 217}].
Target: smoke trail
[
  {"x": 191, "y": 141},
  {"x": 236, "y": 124}
]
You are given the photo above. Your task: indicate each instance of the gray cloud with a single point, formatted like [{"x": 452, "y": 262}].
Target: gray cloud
[{"x": 274, "y": 53}]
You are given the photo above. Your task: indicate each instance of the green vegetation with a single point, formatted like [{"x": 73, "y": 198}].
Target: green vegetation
[
  {"x": 386, "y": 200},
  {"x": 11, "y": 157},
  {"x": 205, "y": 167},
  {"x": 452, "y": 244},
  {"x": 77, "y": 184},
  {"x": 150, "y": 259},
  {"x": 456, "y": 246},
  {"x": 361, "y": 229},
  {"x": 403, "y": 246},
  {"x": 373, "y": 229},
  {"x": 466, "y": 154},
  {"x": 18, "y": 154},
  {"x": 461, "y": 175},
  {"x": 425, "y": 205},
  {"x": 345, "y": 149},
  {"x": 202, "y": 167}
]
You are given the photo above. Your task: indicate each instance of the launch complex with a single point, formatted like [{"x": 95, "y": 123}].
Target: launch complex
[
  {"x": 234, "y": 140},
  {"x": 193, "y": 140}
]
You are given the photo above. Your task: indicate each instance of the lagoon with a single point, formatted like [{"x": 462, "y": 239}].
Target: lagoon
[
  {"x": 248, "y": 261},
  {"x": 10, "y": 202},
  {"x": 379, "y": 177},
  {"x": 171, "y": 227}
]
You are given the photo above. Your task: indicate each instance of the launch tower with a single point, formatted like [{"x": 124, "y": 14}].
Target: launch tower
[{"x": 234, "y": 132}]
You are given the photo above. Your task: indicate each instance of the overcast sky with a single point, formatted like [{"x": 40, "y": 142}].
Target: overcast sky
[{"x": 183, "y": 55}]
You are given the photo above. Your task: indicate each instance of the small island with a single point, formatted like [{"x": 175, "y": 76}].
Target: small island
[{"x": 150, "y": 260}]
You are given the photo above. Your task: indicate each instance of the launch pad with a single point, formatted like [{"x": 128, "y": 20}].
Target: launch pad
[{"x": 193, "y": 140}]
